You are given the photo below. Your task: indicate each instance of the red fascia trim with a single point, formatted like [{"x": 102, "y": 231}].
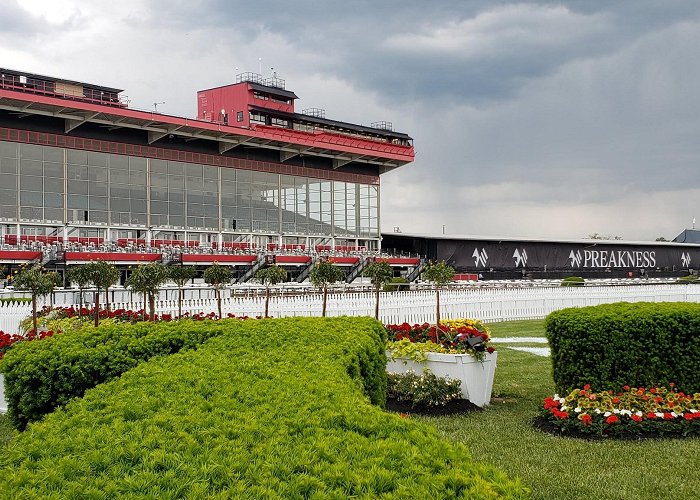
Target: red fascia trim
[
  {"x": 19, "y": 255},
  {"x": 112, "y": 256},
  {"x": 466, "y": 277},
  {"x": 344, "y": 261},
  {"x": 292, "y": 259},
  {"x": 224, "y": 259},
  {"x": 402, "y": 153}
]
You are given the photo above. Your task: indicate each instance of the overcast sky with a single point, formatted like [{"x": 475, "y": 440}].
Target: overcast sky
[{"x": 544, "y": 120}]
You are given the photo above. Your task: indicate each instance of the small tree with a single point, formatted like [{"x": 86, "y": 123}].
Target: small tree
[
  {"x": 37, "y": 282},
  {"x": 80, "y": 277},
  {"x": 102, "y": 276},
  {"x": 270, "y": 276},
  {"x": 217, "y": 276},
  {"x": 180, "y": 275},
  {"x": 439, "y": 274},
  {"x": 148, "y": 279},
  {"x": 323, "y": 274},
  {"x": 379, "y": 273}
]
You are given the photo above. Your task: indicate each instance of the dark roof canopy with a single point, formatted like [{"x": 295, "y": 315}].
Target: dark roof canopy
[{"x": 15, "y": 72}]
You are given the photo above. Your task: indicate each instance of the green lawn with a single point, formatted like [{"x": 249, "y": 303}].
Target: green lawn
[{"x": 556, "y": 467}]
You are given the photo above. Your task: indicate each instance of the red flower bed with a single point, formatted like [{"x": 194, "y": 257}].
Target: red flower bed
[
  {"x": 633, "y": 412},
  {"x": 456, "y": 335}
]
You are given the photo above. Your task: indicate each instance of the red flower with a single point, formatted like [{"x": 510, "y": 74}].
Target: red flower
[
  {"x": 611, "y": 419},
  {"x": 688, "y": 416},
  {"x": 615, "y": 400},
  {"x": 586, "y": 419},
  {"x": 636, "y": 418},
  {"x": 626, "y": 387},
  {"x": 587, "y": 386},
  {"x": 651, "y": 415},
  {"x": 668, "y": 416}
]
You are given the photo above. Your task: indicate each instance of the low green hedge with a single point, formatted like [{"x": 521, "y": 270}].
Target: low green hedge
[
  {"x": 15, "y": 300},
  {"x": 614, "y": 345},
  {"x": 42, "y": 375},
  {"x": 573, "y": 281},
  {"x": 272, "y": 409},
  {"x": 397, "y": 284}
]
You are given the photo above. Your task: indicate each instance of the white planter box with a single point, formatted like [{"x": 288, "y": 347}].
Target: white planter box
[{"x": 476, "y": 376}]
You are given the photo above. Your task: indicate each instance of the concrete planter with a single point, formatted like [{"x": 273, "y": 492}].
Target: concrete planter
[{"x": 476, "y": 376}]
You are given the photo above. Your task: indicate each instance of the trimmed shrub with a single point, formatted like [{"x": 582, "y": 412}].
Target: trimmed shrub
[
  {"x": 426, "y": 389},
  {"x": 397, "y": 284},
  {"x": 15, "y": 300},
  {"x": 691, "y": 278},
  {"x": 573, "y": 281},
  {"x": 270, "y": 409},
  {"x": 614, "y": 345},
  {"x": 40, "y": 376}
]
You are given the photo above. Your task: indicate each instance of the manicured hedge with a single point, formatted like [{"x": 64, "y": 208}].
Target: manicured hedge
[
  {"x": 271, "y": 409},
  {"x": 614, "y": 345},
  {"x": 42, "y": 375}
]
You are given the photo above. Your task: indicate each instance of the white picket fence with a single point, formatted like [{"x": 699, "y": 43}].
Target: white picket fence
[{"x": 413, "y": 306}]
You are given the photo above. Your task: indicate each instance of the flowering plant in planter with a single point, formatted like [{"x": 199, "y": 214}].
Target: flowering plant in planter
[
  {"x": 459, "y": 336},
  {"x": 635, "y": 411}
]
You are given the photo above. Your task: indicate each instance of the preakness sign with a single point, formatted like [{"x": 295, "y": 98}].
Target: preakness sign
[{"x": 509, "y": 255}]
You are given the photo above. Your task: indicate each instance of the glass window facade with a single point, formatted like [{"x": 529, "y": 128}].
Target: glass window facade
[{"x": 42, "y": 183}]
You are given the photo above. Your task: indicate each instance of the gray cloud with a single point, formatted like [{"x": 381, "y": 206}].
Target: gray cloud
[{"x": 550, "y": 118}]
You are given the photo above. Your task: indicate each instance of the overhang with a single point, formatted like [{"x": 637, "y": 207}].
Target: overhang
[{"x": 341, "y": 149}]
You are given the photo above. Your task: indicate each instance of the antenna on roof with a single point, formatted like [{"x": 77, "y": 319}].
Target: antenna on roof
[
  {"x": 260, "y": 65},
  {"x": 155, "y": 105}
]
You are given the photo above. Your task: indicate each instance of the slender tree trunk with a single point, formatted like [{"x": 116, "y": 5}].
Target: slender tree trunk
[
  {"x": 80, "y": 311},
  {"x": 218, "y": 300},
  {"x": 145, "y": 306},
  {"x": 325, "y": 297},
  {"x": 152, "y": 304},
  {"x": 107, "y": 298},
  {"x": 34, "y": 318},
  {"x": 267, "y": 301},
  {"x": 97, "y": 307},
  {"x": 376, "y": 305},
  {"x": 180, "y": 292}
]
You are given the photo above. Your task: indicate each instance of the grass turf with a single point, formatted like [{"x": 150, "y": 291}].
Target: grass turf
[{"x": 555, "y": 467}]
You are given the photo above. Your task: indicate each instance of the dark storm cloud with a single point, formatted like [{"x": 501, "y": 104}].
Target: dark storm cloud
[{"x": 472, "y": 52}]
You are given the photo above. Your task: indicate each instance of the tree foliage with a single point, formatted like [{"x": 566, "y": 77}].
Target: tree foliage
[
  {"x": 270, "y": 276},
  {"x": 103, "y": 276},
  {"x": 216, "y": 276},
  {"x": 324, "y": 274},
  {"x": 37, "y": 282},
  {"x": 379, "y": 273},
  {"x": 439, "y": 274},
  {"x": 180, "y": 275},
  {"x": 148, "y": 280}
]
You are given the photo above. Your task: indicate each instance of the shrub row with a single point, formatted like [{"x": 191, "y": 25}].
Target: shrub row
[
  {"x": 273, "y": 409},
  {"x": 573, "y": 281},
  {"x": 15, "y": 300},
  {"x": 613, "y": 345},
  {"x": 40, "y": 376}
]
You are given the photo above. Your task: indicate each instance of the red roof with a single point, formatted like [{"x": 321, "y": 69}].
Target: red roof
[
  {"x": 197, "y": 258},
  {"x": 15, "y": 256},
  {"x": 114, "y": 257}
]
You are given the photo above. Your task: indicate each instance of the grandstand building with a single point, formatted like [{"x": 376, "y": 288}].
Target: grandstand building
[{"x": 248, "y": 181}]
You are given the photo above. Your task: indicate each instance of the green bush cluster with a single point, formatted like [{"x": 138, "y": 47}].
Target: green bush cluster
[
  {"x": 614, "y": 345},
  {"x": 426, "y": 389},
  {"x": 42, "y": 375},
  {"x": 15, "y": 300},
  {"x": 270, "y": 409},
  {"x": 397, "y": 284},
  {"x": 691, "y": 278},
  {"x": 573, "y": 281}
]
